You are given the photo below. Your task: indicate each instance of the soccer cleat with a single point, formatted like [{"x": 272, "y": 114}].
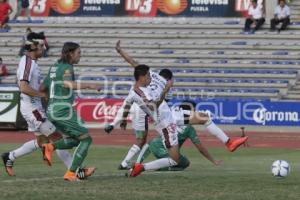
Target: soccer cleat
[
  {"x": 47, "y": 153},
  {"x": 83, "y": 173},
  {"x": 233, "y": 144},
  {"x": 108, "y": 128},
  {"x": 121, "y": 167},
  {"x": 71, "y": 176},
  {"x": 137, "y": 169},
  {"x": 8, "y": 164}
]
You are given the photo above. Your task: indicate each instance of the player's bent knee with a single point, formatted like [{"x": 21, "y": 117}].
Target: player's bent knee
[
  {"x": 42, "y": 139},
  {"x": 185, "y": 163},
  {"x": 47, "y": 128},
  {"x": 55, "y": 137}
]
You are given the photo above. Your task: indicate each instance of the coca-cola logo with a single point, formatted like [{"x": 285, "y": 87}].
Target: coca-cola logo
[{"x": 104, "y": 111}]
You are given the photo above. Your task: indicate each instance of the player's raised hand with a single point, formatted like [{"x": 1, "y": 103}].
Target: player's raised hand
[{"x": 118, "y": 46}]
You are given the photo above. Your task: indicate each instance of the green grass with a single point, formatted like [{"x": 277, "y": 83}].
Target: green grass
[{"x": 244, "y": 175}]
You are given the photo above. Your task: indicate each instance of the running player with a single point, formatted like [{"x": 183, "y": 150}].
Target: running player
[
  {"x": 60, "y": 83},
  {"x": 156, "y": 147},
  {"x": 29, "y": 76}
]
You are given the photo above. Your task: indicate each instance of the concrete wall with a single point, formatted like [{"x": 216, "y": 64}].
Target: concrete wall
[{"x": 270, "y": 6}]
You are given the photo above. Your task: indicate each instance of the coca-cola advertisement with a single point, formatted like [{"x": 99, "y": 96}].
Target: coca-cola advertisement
[{"x": 98, "y": 110}]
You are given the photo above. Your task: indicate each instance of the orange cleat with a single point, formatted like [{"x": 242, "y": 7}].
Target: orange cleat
[
  {"x": 47, "y": 153},
  {"x": 137, "y": 169},
  {"x": 233, "y": 144},
  {"x": 71, "y": 176}
]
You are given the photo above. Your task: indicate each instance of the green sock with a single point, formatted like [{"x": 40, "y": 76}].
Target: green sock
[
  {"x": 67, "y": 143},
  {"x": 80, "y": 153}
]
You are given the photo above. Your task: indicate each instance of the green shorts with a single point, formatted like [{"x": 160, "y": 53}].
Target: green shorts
[
  {"x": 68, "y": 122},
  {"x": 157, "y": 148},
  {"x": 140, "y": 134}
]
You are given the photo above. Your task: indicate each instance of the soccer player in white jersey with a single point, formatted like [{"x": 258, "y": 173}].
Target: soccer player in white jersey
[
  {"x": 29, "y": 77},
  {"x": 181, "y": 116},
  {"x": 154, "y": 107},
  {"x": 139, "y": 118}
]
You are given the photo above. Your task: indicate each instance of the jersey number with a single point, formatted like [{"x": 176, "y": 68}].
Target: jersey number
[{"x": 51, "y": 95}]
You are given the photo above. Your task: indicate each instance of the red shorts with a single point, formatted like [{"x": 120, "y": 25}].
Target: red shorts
[
  {"x": 3, "y": 70},
  {"x": 3, "y": 20}
]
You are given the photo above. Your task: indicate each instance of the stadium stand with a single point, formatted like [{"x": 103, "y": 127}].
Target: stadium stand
[{"x": 206, "y": 55}]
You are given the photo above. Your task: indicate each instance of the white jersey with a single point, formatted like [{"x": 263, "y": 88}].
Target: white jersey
[
  {"x": 282, "y": 12},
  {"x": 162, "y": 115},
  {"x": 29, "y": 71},
  {"x": 157, "y": 85},
  {"x": 256, "y": 12},
  {"x": 140, "y": 96}
]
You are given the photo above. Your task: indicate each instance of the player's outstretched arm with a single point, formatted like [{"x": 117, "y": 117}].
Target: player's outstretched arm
[
  {"x": 75, "y": 85},
  {"x": 125, "y": 55},
  {"x": 206, "y": 154}
]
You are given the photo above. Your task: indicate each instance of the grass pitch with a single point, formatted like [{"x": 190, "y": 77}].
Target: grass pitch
[{"x": 245, "y": 175}]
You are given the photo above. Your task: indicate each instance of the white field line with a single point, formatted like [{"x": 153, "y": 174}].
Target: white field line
[{"x": 14, "y": 180}]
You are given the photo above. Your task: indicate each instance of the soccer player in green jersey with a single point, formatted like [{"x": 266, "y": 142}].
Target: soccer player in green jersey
[
  {"x": 60, "y": 83},
  {"x": 157, "y": 148}
]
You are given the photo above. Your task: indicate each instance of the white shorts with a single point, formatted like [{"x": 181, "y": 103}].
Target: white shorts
[
  {"x": 169, "y": 135},
  {"x": 166, "y": 126},
  {"x": 180, "y": 116},
  {"x": 139, "y": 118},
  {"x": 35, "y": 119}
]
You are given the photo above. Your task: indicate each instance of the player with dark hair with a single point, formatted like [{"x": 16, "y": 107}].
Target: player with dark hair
[{"x": 153, "y": 104}]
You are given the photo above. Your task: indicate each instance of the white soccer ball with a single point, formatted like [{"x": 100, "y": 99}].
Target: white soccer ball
[{"x": 280, "y": 168}]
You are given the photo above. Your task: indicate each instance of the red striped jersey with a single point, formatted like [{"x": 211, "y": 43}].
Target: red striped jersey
[{"x": 29, "y": 71}]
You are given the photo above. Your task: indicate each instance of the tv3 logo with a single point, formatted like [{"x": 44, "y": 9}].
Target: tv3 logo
[
  {"x": 38, "y": 6},
  {"x": 142, "y": 6},
  {"x": 243, "y": 5}
]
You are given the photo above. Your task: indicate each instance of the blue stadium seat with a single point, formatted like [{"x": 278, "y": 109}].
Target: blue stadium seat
[
  {"x": 239, "y": 43},
  {"x": 280, "y": 53}
]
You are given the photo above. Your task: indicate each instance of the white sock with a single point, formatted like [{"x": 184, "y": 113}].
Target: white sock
[
  {"x": 131, "y": 153},
  {"x": 25, "y": 149},
  {"x": 142, "y": 152},
  {"x": 159, "y": 163},
  {"x": 216, "y": 131},
  {"x": 118, "y": 117},
  {"x": 65, "y": 156}
]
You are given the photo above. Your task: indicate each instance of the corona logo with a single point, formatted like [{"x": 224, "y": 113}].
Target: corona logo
[
  {"x": 65, "y": 6},
  {"x": 172, "y": 7}
]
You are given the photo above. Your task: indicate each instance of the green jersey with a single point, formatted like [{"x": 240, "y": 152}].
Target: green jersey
[
  {"x": 60, "y": 97},
  {"x": 60, "y": 109}
]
